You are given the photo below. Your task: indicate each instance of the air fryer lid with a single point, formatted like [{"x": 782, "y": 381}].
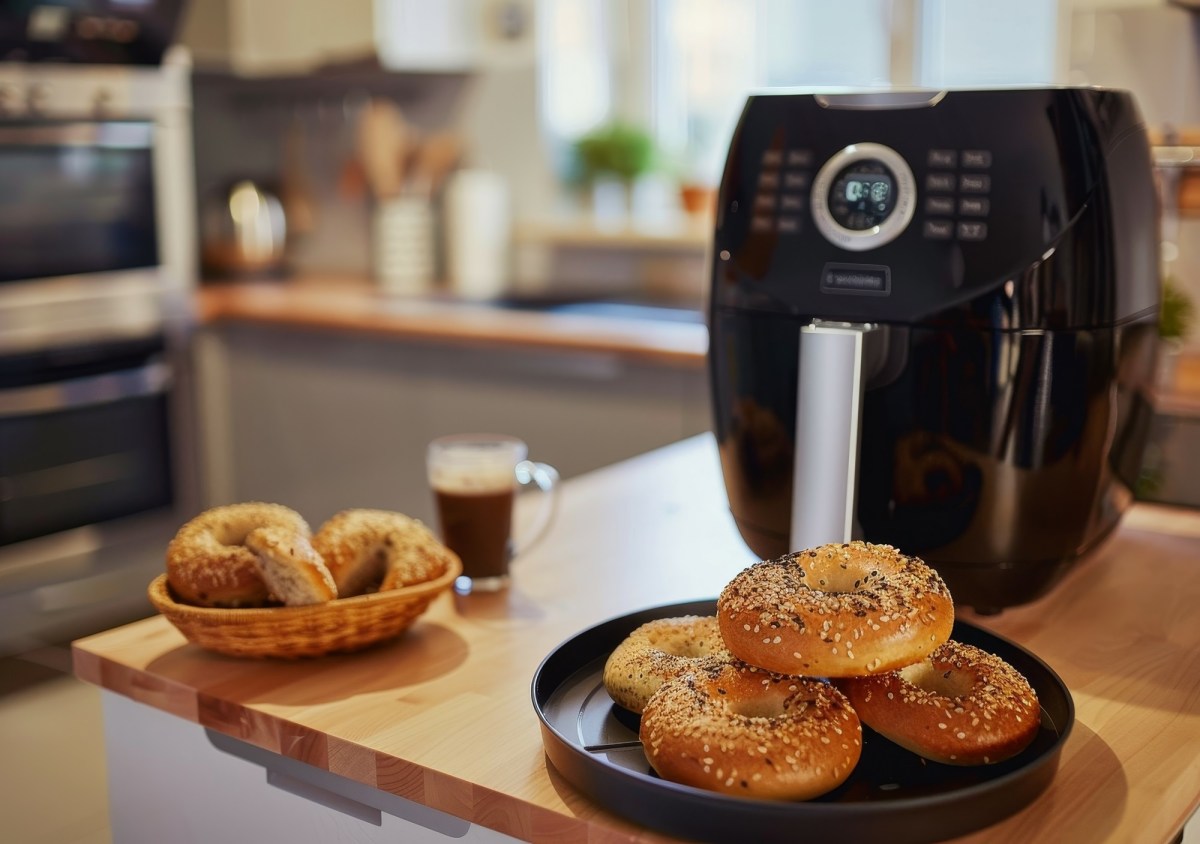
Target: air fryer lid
[
  {"x": 899, "y": 208},
  {"x": 891, "y": 795}
]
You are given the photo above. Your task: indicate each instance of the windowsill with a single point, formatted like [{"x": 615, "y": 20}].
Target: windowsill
[{"x": 684, "y": 233}]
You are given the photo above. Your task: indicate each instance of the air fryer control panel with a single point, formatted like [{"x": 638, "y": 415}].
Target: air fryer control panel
[
  {"x": 859, "y": 195},
  {"x": 896, "y": 210}
]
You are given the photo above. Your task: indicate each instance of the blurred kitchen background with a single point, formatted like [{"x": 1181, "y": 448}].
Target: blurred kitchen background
[
  {"x": 449, "y": 165},
  {"x": 588, "y": 128}
]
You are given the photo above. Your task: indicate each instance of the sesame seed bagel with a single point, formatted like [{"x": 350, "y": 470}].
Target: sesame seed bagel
[
  {"x": 367, "y": 550},
  {"x": 658, "y": 651},
  {"x": 208, "y": 563},
  {"x": 960, "y": 706},
  {"x": 294, "y": 573},
  {"x": 842, "y": 610},
  {"x": 740, "y": 730}
]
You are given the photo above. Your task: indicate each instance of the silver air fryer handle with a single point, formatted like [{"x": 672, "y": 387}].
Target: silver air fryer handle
[{"x": 829, "y": 396}]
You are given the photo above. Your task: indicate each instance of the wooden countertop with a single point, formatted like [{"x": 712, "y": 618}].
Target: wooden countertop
[
  {"x": 443, "y": 715},
  {"x": 352, "y": 304}
]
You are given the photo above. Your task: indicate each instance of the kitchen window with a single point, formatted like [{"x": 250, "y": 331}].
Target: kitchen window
[{"x": 683, "y": 68}]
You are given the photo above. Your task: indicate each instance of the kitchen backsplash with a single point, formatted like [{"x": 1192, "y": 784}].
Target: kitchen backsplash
[{"x": 298, "y": 138}]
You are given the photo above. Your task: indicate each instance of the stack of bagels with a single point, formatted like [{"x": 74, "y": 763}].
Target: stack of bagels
[
  {"x": 256, "y": 554},
  {"x": 768, "y": 698}
]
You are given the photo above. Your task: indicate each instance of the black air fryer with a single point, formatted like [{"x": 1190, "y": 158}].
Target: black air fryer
[{"x": 933, "y": 325}]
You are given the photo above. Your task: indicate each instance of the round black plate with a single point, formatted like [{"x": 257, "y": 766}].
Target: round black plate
[{"x": 892, "y": 793}]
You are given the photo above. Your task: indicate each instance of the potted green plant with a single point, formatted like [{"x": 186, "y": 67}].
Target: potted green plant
[
  {"x": 1175, "y": 315},
  {"x": 608, "y": 160},
  {"x": 618, "y": 150}
]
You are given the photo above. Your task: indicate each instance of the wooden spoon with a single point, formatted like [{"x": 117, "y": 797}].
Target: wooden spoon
[
  {"x": 383, "y": 135},
  {"x": 295, "y": 190},
  {"x": 438, "y": 156}
]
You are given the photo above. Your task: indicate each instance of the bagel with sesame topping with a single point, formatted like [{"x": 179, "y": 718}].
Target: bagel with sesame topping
[
  {"x": 295, "y": 574},
  {"x": 739, "y": 730},
  {"x": 843, "y": 610},
  {"x": 208, "y": 563},
  {"x": 960, "y": 706},
  {"x": 658, "y": 651},
  {"x": 377, "y": 550}
]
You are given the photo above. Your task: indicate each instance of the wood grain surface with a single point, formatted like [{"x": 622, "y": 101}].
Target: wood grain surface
[
  {"x": 352, "y": 305},
  {"x": 443, "y": 715}
]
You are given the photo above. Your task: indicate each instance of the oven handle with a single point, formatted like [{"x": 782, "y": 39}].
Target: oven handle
[
  {"x": 106, "y": 134},
  {"x": 151, "y": 379}
]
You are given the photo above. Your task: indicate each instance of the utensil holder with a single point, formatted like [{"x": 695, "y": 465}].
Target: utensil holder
[{"x": 404, "y": 245}]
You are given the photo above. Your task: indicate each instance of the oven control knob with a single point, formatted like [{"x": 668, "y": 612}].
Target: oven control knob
[
  {"x": 102, "y": 101},
  {"x": 9, "y": 99},
  {"x": 37, "y": 97}
]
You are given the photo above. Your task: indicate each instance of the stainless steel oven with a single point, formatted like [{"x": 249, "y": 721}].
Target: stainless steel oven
[
  {"x": 85, "y": 435},
  {"x": 96, "y": 265}
]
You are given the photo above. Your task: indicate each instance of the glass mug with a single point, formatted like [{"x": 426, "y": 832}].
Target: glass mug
[{"x": 475, "y": 479}]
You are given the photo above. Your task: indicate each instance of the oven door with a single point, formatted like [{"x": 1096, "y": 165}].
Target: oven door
[
  {"x": 77, "y": 198},
  {"x": 84, "y": 436}
]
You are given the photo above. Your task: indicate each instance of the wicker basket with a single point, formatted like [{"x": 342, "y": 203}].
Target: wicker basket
[{"x": 347, "y": 624}]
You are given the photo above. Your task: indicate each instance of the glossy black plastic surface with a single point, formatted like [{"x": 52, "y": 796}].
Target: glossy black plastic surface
[
  {"x": 1071, "y": 236},
  {"x": 132, "y": 32},
  {"x": 891, "y": 795},
  {"x": 1005, "y": 428}
]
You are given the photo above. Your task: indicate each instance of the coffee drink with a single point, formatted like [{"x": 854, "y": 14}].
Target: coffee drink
[
  {"x": 478, "y": 527},
  {"x": 475, "y": 478}
]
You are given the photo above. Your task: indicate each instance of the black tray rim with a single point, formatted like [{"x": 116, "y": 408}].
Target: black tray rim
[{"x": 1036, "y": 774}]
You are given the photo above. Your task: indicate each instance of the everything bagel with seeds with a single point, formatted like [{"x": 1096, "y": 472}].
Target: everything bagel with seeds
[
  {"x": 960, "y": 706},
  {"x": 739, "y": 730},
  {"x": 842, "y": 610},
  {"x": 658, "y": 651}
]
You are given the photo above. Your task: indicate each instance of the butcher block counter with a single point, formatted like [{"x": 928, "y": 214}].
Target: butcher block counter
[
  {"x": 442, "y": 718},
  {"x": 356, "y": 305}
]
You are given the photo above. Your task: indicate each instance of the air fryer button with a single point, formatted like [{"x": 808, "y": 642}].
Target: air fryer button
[
  {"x": 939, "y": 229},
  {"x": 768, "y": 179},
  {"x": 972, "y": 231},
  {"x": 941, "y": 182},
  {"x": 974, "y": 206},
  {"x": 762, "y": 224},
  {"x": 943, "y": 158},
  {"x": 764, "y": 202},
  {"x": 789, "y": 225},
  {"x": 799, "y": 158},
  {"x": 796, "y": 180},
  {"x": 772, "y": 158},
  {"x": 939, "y": 205},
  {"x": 791, "y": 202},
  {"x": 977, "y": 159},
  {"x": 972, "y": 183}
]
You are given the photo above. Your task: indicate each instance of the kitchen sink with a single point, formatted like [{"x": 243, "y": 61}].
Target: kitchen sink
[{"x": 612, "y": 308}]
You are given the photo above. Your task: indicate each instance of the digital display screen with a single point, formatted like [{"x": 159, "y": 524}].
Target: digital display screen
[
  {"x": 862, "y": 195},
  {"x": 868, "y": 191}
]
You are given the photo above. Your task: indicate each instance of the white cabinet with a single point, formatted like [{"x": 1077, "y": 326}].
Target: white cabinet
[
  {"x": 285, "y": 37},
  {"x": 171, "y": 780}
]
